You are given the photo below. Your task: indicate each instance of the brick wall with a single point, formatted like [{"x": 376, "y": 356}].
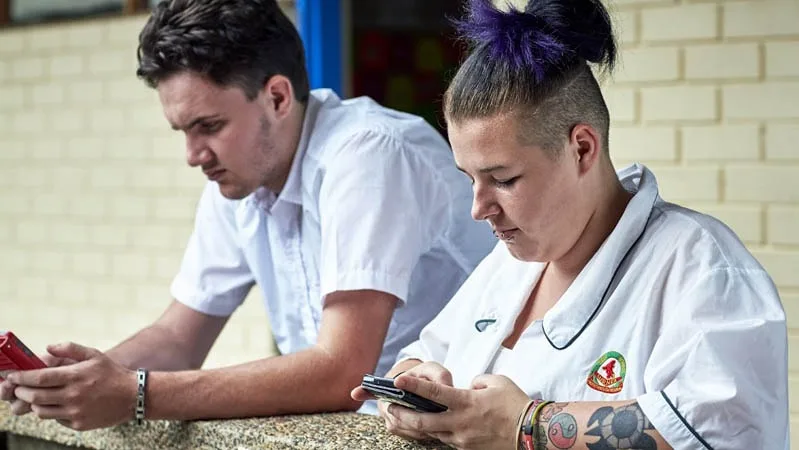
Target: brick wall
[{"x": 96, "y": 203}]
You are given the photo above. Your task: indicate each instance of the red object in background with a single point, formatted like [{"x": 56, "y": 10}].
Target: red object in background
[
  {"x": 373, "y": 51},
  {"x": 14, "y": 355}
]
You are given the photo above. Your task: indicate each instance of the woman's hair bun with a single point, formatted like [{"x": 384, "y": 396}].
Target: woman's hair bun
[{"x": 546, "y": 35}]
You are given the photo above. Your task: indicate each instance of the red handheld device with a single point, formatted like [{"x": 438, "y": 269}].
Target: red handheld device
[{"x": 14, "y": 355}]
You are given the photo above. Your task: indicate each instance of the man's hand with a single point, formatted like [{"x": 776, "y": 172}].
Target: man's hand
[
  {"x": 430, "y": 371},
  {"x": 20, "y": 407},
  {"x": 91, "y": 392},
  {"x": 483, "y": 417}
]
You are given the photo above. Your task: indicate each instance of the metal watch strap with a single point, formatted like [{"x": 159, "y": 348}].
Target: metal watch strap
[{"x": 141, "y": 385}]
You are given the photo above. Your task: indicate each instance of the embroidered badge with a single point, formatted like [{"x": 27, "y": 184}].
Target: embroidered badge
[
  {"x": 607, "y": 373},
  {"x": 482, "y": 324}
]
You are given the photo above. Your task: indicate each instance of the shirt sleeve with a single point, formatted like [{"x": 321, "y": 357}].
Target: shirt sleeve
[
  {"x": 380, "y": 205},
  {"x": 214, "y": 277},
  {"x": 717, "y": 377}
]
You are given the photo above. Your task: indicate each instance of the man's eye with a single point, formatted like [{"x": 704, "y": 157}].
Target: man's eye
[
  {"x": 210, "y": 128},
  {"x": 506, "y": 183}
]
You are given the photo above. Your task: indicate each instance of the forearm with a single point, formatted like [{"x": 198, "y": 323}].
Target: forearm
[
  {"x": 304, "y": 382},
  {"x": 607, "y": 425},
  {"x": 153, "y": 348}
]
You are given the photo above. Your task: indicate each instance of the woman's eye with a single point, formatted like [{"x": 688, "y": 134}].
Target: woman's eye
[{"x": 506, "y": 183}]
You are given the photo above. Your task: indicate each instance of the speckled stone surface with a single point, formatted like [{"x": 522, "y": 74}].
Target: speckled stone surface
[{"x": 320, "y": 431}]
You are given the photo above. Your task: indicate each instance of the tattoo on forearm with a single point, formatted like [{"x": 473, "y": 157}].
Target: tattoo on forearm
[
  {"x": 556, "y": 427},
  {"x": 620, "y": 428}
]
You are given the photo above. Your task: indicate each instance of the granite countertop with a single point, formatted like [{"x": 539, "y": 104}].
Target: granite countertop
[{"x": 318, "y": 431}]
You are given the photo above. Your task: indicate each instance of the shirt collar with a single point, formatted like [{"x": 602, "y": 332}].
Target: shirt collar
[
  {"x": 292, "y": 190},
  {"x": 581, "y": 301}
]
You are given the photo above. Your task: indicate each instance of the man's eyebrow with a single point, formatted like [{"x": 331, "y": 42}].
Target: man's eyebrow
[
  {"x": 486, "y": 169},
  {"x": 195, "y": 122}
]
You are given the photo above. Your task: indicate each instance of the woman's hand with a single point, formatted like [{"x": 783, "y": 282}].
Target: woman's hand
[
  {"x": 430, "y": 371},
  {"x": 483, "y": 417}
]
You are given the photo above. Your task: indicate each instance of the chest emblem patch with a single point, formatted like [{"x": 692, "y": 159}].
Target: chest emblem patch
[{"x": 607, "y": 373}]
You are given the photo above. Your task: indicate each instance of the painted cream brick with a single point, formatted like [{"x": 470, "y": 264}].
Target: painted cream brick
[
  {"x": 70, "y": 233},
  {"x": 192, "y": 178},
  {"x": 762, "y": 183},
  {"x": 783, "y": 225},
  {"x": 12, "y": 149},
  {"x": 621, "y": 104},
  {"x": 679, "y": 23},
  {"x": 111, "y": 293},
  {"x": 109, "y": 62},
  {"x": 48, "y": 261},
  {"x": 85, "y": 92},
  {"x": 771, "y": 100},
  {"x": 169, "y": 147},
  {"x": 12, "y": 98},
  {"x": 153, "y": 298},
  {"x": 166, "y": 266},
  {"x": 626, "y": 26},
  {"x": 722, "y": 61},
  {"x": 148, "y": 119},
  {"x": 153, "y": 236},
  {"x": 790, "y": 303},
  {"x": 49, "y": 205},
  {"x": 649, "y": 64},
  {"x": 782, "y": 266},
  {"x": 88, "y": 205},
  {"x": 29, "y": 122},
  {"x": 125, "y": 30},
  {"x": 26, "y": 69},
  {"x": 65, "y": 65},
  {"x": 47, "y": 94},
  {"x": 781, "y": 141},
  {"x": 643, "y": 2},
  {"x": 131, "y": 265},
  {"x": 71, "y": 291},
  {"x": 103, "y": 236},
  {"x": 85, "y": 147},
  {"x": 679, "y": 184},
  {"x": 52, "y": 38},
  {"x": 6, "y": 232},
  {"x": 14, "y": 204},
  {"x": 128, "y": 147},
  {"x": 12, "y": 42},
  {"x": 33, "y": 231},
  {"x": 644, "y": 144},
  {"x": 14, "y": 260},
  {"x": 108, "y": 177},
  {"x": 34, "y": 286},
  {"x": 721, "y": 143},
  {"x": 34, "y": 177},
  {"x": 90, "y": 263},
  {"x": 761, "y": 18},
  {"x": 175, "y": 208},
  {"x": 151, "y": 176},
  {"x": 4, "y": 70},
  {"x": 129, "y": 89},
  {"x": 68, "y": 121},
  {"x": 107, "y": 120},
  {"x": 129, "y": 207},
  {"x": 70, "y": 179},
  {"x": 86, "y": 35},
  {"x": 678, "y": 103},
  {"x": 745, "y": 221},
  {"x": 781, "y": 59}
]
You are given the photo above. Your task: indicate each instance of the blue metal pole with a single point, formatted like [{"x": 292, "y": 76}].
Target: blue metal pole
[{"x": 320, "y": 28}]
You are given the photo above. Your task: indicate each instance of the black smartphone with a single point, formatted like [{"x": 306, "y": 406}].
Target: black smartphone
[{"x": 384, "y": 389}]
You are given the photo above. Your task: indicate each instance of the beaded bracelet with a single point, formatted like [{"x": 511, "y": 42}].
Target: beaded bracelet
[{"x": 141, "y": 384}]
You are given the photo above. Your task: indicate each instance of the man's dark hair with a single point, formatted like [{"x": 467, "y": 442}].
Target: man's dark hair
[
  {"x": 535, "y": 64},
  {"x": 239, "y": 43}
]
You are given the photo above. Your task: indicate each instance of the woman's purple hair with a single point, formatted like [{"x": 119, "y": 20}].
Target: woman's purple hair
[{"x": 523, "y": 58}]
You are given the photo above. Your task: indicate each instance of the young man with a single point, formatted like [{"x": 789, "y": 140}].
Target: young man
[{"x": 352, "y": 218}]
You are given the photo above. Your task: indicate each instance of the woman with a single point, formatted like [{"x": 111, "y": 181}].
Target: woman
[{"x": 641, "y": 323}]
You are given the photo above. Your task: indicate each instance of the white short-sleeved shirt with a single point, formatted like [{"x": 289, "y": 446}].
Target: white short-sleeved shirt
[
  {"x": 672, "y": 311},
  {"x": 373, "y": 201}
]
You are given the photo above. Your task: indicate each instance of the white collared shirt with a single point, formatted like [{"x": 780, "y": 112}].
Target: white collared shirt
[
  {"x": 672, "y": 310},
  {"x": 373, "y": 201}
]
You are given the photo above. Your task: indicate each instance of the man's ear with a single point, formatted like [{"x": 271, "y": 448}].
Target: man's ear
[{"x": 278, "y": 96}]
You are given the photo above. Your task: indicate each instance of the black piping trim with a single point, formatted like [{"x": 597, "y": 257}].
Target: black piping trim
[
  {"x": 685, "y": 422},
  {"x": 605, "y": 293}
]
